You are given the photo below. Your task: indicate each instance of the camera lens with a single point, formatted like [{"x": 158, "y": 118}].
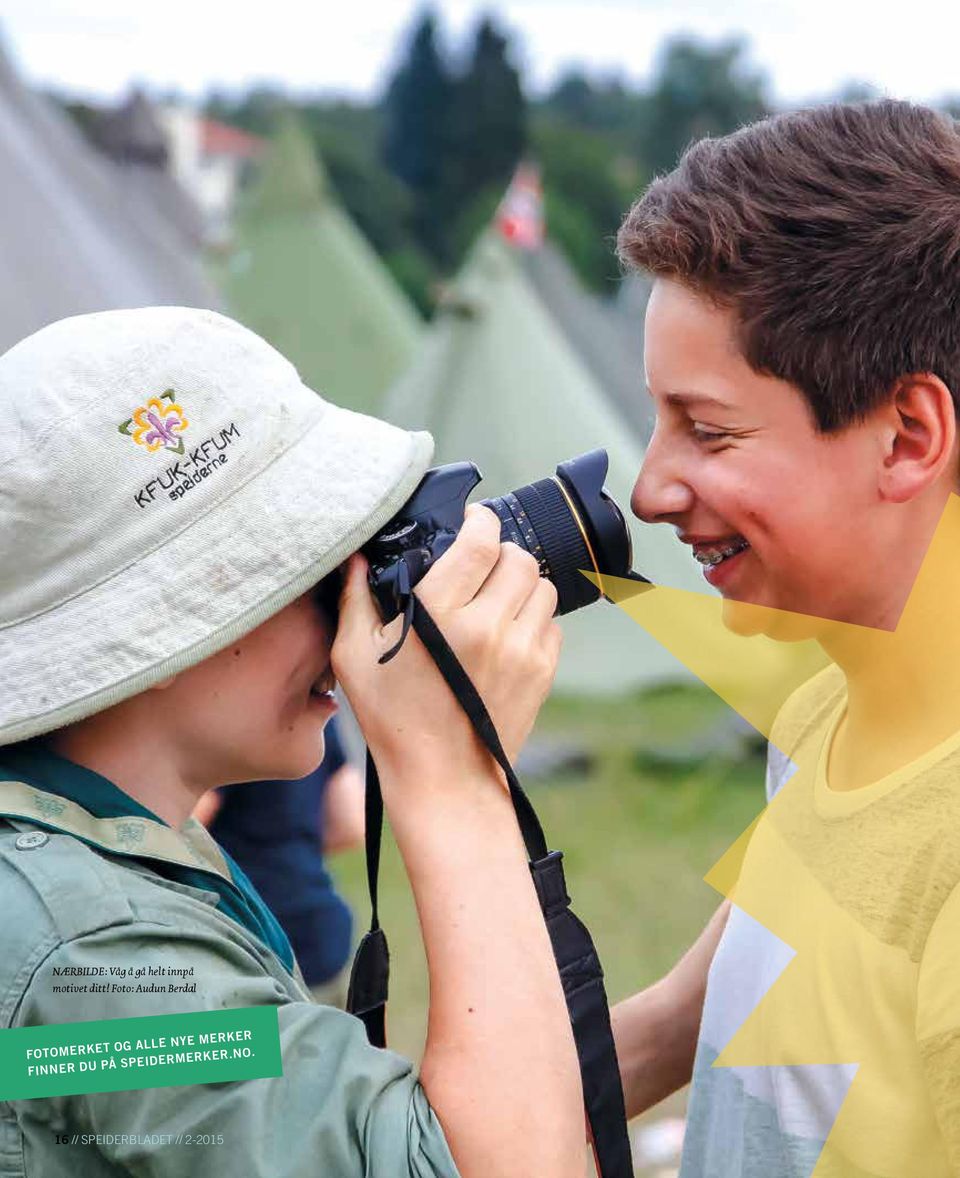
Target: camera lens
[
  {"x": 536, "y": 517},
  {"x": 568, "y": 523}
]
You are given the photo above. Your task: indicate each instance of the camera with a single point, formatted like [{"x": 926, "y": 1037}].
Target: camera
[{"x": 567, "y": 521}]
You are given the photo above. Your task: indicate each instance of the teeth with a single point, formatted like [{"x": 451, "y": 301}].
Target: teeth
[{"x": 714, "y": 556}]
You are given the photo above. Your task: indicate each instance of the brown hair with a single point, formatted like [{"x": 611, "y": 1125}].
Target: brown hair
[{"x": 833, "y": 234}]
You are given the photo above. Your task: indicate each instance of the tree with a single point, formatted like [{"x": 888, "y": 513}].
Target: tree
[
  {"x": 450, "y": 138},
  {"x": 416, "y": 112},
  {"x": 375, "y": 199},
  {"x": 489, "y": 116},
  {"x": 604, "y": 105},
  {"x": 698, "y": 90},
  {"x": 255, "y": 110},
  {"x": 587, "y": 193}
]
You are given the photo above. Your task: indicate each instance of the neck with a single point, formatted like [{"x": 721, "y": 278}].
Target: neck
[
  {"x": 135, "y": 757},
  {"x": 902, "y": 679}
]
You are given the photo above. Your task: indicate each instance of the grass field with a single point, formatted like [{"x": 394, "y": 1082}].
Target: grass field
[{"x": 637, "y": 837}]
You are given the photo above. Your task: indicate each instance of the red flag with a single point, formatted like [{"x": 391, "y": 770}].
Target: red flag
[{"x": 519, "y": 216}]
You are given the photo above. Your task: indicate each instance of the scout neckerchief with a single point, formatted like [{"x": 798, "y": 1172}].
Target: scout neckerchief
[{"x": 54, "y": 792}]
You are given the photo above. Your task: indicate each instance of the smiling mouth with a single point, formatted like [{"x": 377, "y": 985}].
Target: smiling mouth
[
  {"x": 715, "y": 552},
  {"x": 325, "y": 684}
]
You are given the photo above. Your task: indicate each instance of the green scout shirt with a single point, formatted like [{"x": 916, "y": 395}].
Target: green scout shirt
[{"x": 113, "y": 884}]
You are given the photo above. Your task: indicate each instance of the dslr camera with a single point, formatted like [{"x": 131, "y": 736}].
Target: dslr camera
[{"x": 568, "y": 522}]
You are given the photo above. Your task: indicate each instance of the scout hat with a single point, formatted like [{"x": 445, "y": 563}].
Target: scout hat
[{"x": 167, "y": 483}]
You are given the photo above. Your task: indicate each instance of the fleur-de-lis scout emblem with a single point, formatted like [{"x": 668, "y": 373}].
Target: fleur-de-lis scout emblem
[
  {"x": 157, "y": 424},
  {"x": 47, "y": 806},
  {"x": 130, "y": 834}
]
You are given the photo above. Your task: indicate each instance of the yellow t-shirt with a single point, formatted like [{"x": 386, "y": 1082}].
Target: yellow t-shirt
[{"x": 830, "y": 1042}]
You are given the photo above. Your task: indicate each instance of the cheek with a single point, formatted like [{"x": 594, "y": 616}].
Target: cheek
[
  {"x": 240, "y": 696},
  {"x": 750, "y": 501},
  {"x": 768, "y": 501}
]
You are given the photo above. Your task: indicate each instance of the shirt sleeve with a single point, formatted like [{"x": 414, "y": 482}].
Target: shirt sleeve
[
  {"x": 938, "y": 1022},
  {"x": 340, "y": 1108},
  {"x": 779, "y": 771}
]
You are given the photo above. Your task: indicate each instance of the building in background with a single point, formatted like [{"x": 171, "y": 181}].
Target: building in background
[{"x": 211, "y": 161}]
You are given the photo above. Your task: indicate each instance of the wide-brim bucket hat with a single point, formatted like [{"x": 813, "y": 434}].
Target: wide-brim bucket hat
[{"x": 167, "y": 483}]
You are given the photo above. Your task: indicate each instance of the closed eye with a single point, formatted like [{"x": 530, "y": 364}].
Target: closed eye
[{"x": 709, "y": 435}]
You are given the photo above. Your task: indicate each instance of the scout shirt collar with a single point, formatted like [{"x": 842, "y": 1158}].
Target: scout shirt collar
[{"x": 43, "y": 787}]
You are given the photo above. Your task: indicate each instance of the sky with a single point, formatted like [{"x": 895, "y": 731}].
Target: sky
[{"x": 807, "y": 48}]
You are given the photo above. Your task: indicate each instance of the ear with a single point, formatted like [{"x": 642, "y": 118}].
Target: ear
[{"x": 919, "y": 438}]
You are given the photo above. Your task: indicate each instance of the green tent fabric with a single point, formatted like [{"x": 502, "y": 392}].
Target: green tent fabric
[
  {"x": 608, "y": 340},
  {"x": 301, "y": 274},
  {"x": 497, "y": 382}
]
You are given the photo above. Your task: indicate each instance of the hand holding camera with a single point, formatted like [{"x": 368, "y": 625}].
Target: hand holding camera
[
  {"x": 495, "y": 611},
  {"x": 446, "y": 693}
]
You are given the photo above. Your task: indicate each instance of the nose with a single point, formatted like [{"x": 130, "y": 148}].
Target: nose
[{"x": 660, "y": 492}]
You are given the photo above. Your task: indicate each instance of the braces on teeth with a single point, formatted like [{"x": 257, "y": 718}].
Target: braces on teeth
[{"x": 712, "y": 558}]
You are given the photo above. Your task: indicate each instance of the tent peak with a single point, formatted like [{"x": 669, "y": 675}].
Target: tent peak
[{"x": 292, "y": 178}]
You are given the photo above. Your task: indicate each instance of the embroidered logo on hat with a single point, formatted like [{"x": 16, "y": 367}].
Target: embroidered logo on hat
[{"x": 155, "y": 424}]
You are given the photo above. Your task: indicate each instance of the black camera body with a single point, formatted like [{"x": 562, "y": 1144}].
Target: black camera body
[{"x": 568, "y": 522}]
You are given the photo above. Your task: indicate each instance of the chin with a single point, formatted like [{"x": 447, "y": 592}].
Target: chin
[
  {"x": 304, "y": 764},
  {"x": 747, "y": 620},
  {"x": 290, "y": 763}
]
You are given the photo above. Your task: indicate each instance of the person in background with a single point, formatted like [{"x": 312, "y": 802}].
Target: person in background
[{"x": 279, "y": 833}]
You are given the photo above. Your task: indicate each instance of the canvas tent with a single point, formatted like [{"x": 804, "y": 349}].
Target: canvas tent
[
  {"x": 134, "y": 138},
  {"x": 608, "y": 337},
  {"x": 496, "y": 381},
  {"x": 605, "y": 338},
  {"x": 628, "y": 309},
  {"x": 301, "y": 274},
  {"x": 71, "y": 238}
]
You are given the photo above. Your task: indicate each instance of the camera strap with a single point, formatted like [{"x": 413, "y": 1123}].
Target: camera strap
[{"x": 577, "y": 962}]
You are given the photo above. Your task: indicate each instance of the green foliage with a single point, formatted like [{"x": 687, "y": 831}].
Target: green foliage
[
  {"x": 575, "y": 232},
  {"x": 346, "y": 137},
  {"x": 416, "y": 109},
  {"x": 607, "y": 106},
  {"x": 699, "y": 90},
  {"x": 473, "y": 219},
  {"x": 349, "y": 123},
  {"x": 586, "y": 190},
  {"x": 416, "y": 274},
  {"x": 255, "y": 110},
  {"x": 377, "y": 201},
  {"x": 449, "y": 137},
  {"x": 422, "y": 172},
  {"x": 583, "y": 167},
  {"x": 488, "y": 117}
]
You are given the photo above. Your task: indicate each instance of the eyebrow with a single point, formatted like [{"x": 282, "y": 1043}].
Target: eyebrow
[{"x": 683, "y": 399}]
